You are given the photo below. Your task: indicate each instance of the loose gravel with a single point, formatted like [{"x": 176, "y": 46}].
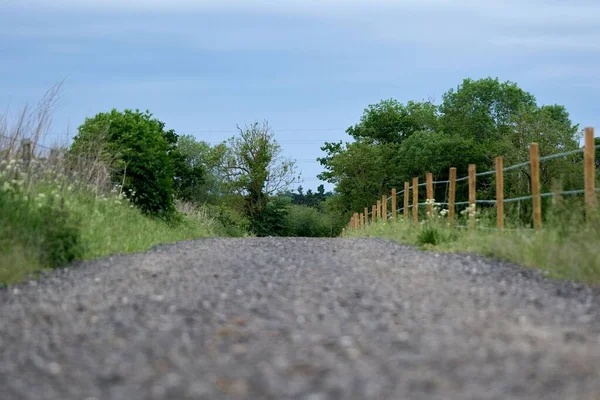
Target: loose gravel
[{"x": 293, "y": 318}]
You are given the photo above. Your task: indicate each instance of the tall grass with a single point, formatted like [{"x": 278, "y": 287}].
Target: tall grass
[
  {"x": 56, "y": 209},
  {"x": 567, "y": 247}
]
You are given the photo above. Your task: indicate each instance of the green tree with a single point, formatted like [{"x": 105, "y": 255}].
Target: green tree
[
  {"x": 201, "y": 181},
  {"x": 551, "y": 128},
  {"x": 432, "y": 152},
  {"x": 141, "y": 154},
  {"x": 390, "y": 121},
  {"x": 255, "y": 169},
  {"x": 483, "y": 109},
  {"x": 361, "y": 173}
]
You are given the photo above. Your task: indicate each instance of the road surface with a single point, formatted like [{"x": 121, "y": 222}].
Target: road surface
[{"x": 293, "y": 318}]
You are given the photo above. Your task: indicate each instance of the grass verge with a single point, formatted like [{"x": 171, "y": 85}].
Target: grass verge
[
  {"x": 566, "y": 248},
  {"x": 50, "y": 224}
]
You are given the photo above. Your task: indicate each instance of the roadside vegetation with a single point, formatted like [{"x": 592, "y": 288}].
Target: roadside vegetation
[
  {"x": 566, "y": 247},
  {"x": 474, "y": 122},
  {"x": 127, "y": 181}
]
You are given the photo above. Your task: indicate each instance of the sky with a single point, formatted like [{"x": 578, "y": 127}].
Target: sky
[{"x": 308, "y": 67}]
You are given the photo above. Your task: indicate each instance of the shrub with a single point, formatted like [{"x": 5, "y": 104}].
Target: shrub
[
  {"x": 42, "y": 224},
  {"x": 141, "y": 153},
  {"x": 429, "y": 235},
  {"x": 304, "y": 221},
  {"x": 272, "y": 220}
]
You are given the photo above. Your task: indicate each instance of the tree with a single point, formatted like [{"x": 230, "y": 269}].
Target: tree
[
  {"x": 432, "y": 152},
  {"x": 483, "y": 109},
  {"x": 141, "y": 153},
  {"x": 199, "y": 180},
  {"x": 551, "y": 128},
  {"x": 390, "y": 121},
  {"x": 255, "y": 168},
  {"x": 361, "y": 173}
]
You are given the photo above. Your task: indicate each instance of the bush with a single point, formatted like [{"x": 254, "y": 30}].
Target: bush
[
  {"x": 222, "y": 220},
  {"x": 272, "y": 220},
  {"x": 42, "y": 225},
  {"x": 142, "y": 156},
  {"x": 304, "y": 221}
]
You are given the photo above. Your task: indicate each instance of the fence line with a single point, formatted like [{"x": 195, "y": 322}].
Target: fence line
[{"x": 379, "y": 211}]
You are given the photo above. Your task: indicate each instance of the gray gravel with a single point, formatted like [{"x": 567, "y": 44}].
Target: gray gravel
[{"x": 292, "y": 318}]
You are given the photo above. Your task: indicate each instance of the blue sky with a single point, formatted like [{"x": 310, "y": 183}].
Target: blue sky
[{"x": 309, "y": 67}]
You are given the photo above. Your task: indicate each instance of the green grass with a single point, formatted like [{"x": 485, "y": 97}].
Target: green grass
[
  {"x": 567, "y": 247},
  {"x": 111, "y": 226},
  {"x": 48, "y": 224}
]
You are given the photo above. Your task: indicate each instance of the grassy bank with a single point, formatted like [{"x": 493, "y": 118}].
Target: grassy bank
[
  {"x": 50, "y": 222},
  {"x": 567, "y": 247}
]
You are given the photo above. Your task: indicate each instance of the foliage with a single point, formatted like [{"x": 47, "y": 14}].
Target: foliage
[
  {"x": 566, "y": 247},
  {"x": 142, "y": 155},
  {"x": 255, "y": 169},
  {"x": 310, "y": 198},
  {"x": 478, "y": 121},
  {"x": 272, "y": 220},
  {"x": 50, "y": 222},
  {"x": 483, "y": 109},
  {"x": 201, "y": 156},
  {"x": 305, "y": 221},
  {"x": 40, "y": 225},
  {"x": 222, "y": 220},
  {"x": 390, "y": 121},
  {"x": 361, "y": 172}
]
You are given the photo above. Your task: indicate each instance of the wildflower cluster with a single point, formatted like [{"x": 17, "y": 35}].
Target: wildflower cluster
[
  {"x": 437, "y": 211},
  {"x": 471, "y": 211}
]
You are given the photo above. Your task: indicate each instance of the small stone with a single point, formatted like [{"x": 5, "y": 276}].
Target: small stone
[
  {"x": 316, "y": 396},
  {"x": 54, "y": 368},
  {"x": 173, "y": 380},
  {"x": 198, "y": 389},
  {"x": 239, "y": 348},
  {"x": 346, "y": 341},
  {"x": 353, "y": 353}
]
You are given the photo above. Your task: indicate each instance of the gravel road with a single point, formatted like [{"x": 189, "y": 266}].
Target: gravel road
[{"x": 292, "y": 318}]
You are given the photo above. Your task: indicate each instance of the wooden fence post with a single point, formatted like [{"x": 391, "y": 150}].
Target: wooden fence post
[
  {"x": 361, "y": 220},
  {"x": 384, "y": 202},
  {"x": 379, "y": 211},
  {"x": 26, "y": 149},
  {"x": 416, "y": 200},
  {"x": 590, "y": 173},
  {"x": 536, "y": 200},
  {"x": 500, "y": 192},
  {"x": 472, "y": 195},
  {"x": 406, "y": 197},
  {"x": 366, "y": 216},
  {"x": 374, "y": 214},
  {"x": 452, "y": 196},
  {"x": 429, "y": 177},
  {"x": 394, "y": 205}
]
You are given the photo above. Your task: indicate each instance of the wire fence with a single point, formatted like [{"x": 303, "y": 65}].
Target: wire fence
[{"x": 359, "y": 220}]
